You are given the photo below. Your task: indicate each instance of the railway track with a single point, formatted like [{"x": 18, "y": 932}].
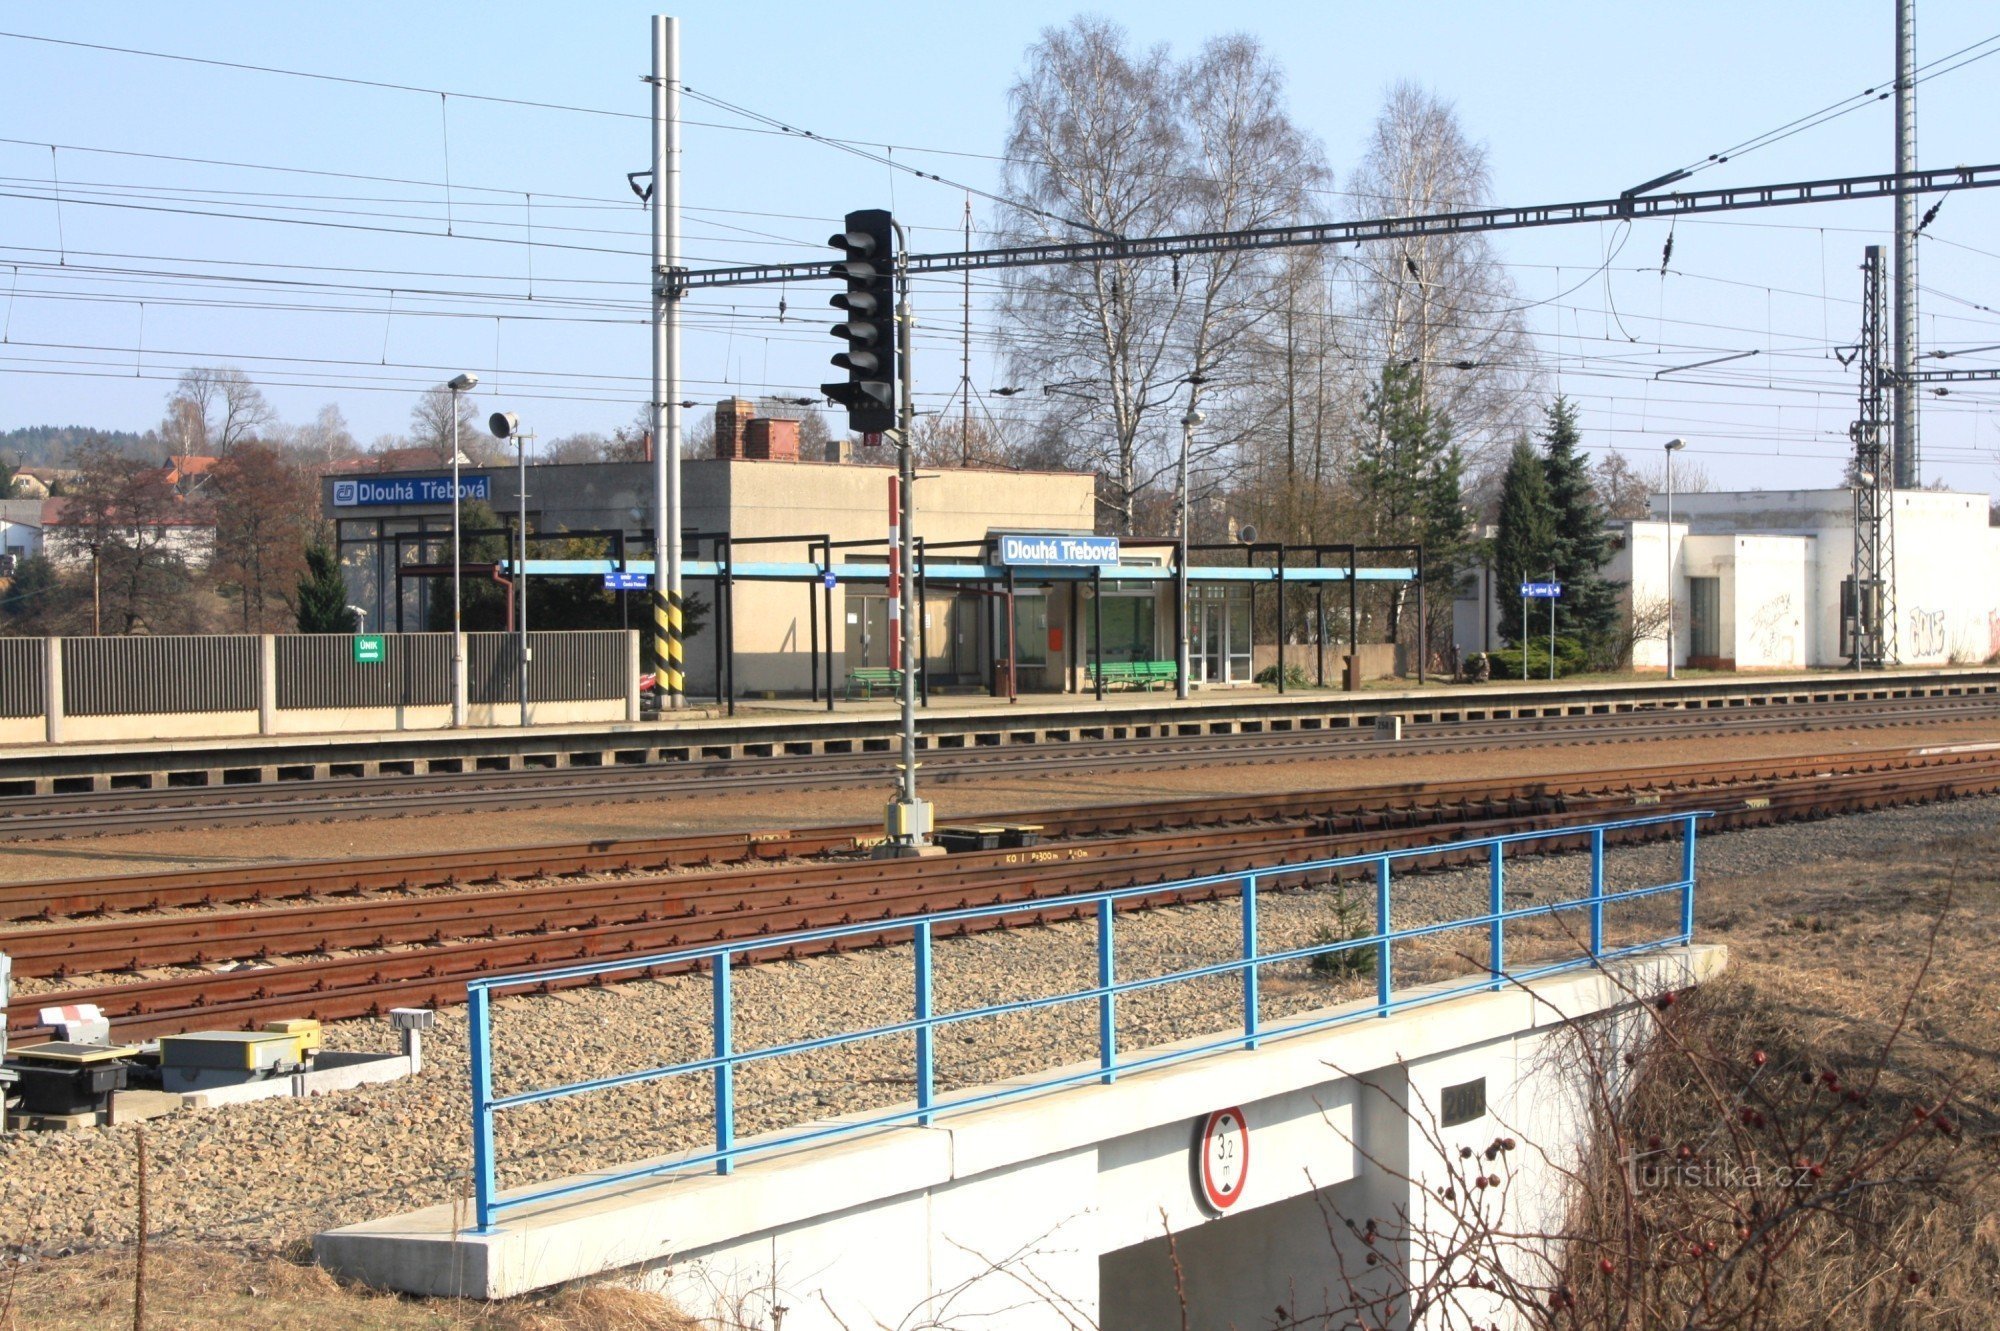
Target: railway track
[
  {"x": 421, "y": 950},
  {"x": 99, "y": 813}
]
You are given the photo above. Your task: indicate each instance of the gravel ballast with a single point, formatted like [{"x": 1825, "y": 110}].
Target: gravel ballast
[{"x": 275, "y": 1172}]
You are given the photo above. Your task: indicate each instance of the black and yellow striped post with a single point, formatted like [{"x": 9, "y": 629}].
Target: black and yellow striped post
[{"x": 669, "y": 678}]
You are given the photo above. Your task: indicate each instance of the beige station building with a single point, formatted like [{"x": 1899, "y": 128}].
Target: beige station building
[{"x": 779, "y": 523}]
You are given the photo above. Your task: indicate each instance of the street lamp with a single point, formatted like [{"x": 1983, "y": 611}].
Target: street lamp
[
  {"x": 506, "y": 425},
  {"x": 464, "y": 383},
  {"x": 1188, "y": 422},
  {"x": 1673, "y": 446}
]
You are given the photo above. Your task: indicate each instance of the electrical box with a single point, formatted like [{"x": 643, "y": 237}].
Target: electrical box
[
  {"x": 61, "y": 1078},
  {"x": 201, "y": 1060},
  {"x": 305, "y": 1033}
]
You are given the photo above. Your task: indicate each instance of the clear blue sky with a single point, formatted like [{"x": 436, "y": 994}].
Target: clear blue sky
[{"x": 1573, "y": 100}]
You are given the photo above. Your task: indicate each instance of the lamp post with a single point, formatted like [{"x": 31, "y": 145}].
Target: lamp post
[
  {"x": 1673, "y": 446},
  {"x": 464, "y": 383},
  {"x": 1188, "y": 422},
  {"x": 506, "y": 425}
]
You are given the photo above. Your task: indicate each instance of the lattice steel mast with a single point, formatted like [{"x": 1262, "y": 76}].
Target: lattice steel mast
[{"x": 1868, "y": 609}]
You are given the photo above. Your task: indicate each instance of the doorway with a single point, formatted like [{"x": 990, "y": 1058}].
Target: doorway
[{"x": 1221, "y": 637}]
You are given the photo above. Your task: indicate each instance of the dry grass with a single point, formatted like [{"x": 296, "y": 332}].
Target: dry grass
[
  {"x": 1856, "y": 1037},
  {"x": 193, "y": 1289}
]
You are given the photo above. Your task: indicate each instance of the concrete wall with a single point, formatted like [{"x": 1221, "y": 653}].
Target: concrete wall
[
  {"x": 1947, "y": 565},
  {"x": 1051, "y": 1211},
  {"x": 1773, "y": 616}
]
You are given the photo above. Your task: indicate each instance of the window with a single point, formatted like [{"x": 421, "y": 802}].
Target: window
[
  {"x": 1704, "y": 618},
  {"x": 1128, "y": 627},
  {"x": 1031, "y": 628}
]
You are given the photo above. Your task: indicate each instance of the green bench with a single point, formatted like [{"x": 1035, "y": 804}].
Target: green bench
[
  {"x": 1134, "y": 674},
  {"x": 868, "y": 679}
]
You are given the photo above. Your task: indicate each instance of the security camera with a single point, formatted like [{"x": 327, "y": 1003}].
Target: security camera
[
  {"x": 465, "y": 383},
  {"x": 504, "y": 424}
]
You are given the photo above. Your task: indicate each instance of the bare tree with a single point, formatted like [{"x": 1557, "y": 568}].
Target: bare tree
[
  {"x": 1690, "y": 478},
  {"x": 1110, "y": 141},
  {"x": 266, "y": 514},
  {"x": 1443, "y": 304},
  {"x": 327, "y": 439},
  {"x": 430, "y": 426},
  {"x": 125, "y": 517},
  {"x": 213, "y": 409},
  {"x": 587, "y": 446}
]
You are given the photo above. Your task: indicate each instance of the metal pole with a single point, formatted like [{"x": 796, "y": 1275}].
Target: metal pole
[
  {"x": 1552, "y": 630},
  {"x": 1097, "y": 628},
  {"x": 1670, "y": 562},
  {"x": 457, "y": 591},
  {"x": 923, "y": 631},
  {"x": 908, "y": 817},
  {"x": 1523, "y": 634},
  {"x": 522, "y": 503},
  {"x": 1188, "y": 422},
  {"x": 1281, "y": 618},
  {"x": 669, "y": 680},
  {"x": 826, "y": 601},
  {"x": 1353, "y": 617},
  {"x": 1908, "y": 471},
  {"x": 1423, "y": 622}
]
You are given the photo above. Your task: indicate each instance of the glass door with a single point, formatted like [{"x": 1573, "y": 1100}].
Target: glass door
[{"x": 1221, "y": 651}]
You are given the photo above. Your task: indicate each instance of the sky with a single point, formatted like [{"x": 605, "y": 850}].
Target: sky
[{"x": 352, "y": 244}]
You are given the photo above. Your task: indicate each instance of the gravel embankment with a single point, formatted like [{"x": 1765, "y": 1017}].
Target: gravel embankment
[{"x": 276, "y": 1172}]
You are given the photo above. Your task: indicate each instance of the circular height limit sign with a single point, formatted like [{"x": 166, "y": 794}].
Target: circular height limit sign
[{"x": 1222, "y": 1158}]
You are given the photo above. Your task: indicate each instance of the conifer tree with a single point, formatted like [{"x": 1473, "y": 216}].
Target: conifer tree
[
  {"x": 1524, "y": 550},
  {"x": 1588, "y": 610},
  {"x": 1411, "y": 476},
  {"x": 323, "y": 595}
]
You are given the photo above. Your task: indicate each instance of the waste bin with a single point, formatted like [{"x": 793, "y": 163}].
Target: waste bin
[
  {"x": 1003, "y": 678},
  {"x": 1350, "y": 667}
]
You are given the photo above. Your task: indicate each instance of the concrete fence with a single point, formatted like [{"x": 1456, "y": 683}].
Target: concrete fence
[{"x": 109, "y": 689}]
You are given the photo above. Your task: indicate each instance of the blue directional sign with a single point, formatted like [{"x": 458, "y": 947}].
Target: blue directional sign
[
  {"x": 625, "y": 582},
  {"x": 1541, "y": 591}
]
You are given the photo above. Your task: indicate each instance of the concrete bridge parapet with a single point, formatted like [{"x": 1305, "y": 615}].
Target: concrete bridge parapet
[{"x": 1052, "y": 1210}]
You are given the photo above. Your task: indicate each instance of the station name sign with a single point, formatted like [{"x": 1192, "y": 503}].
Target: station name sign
[
  {"x": 1059, "y": 551},
  {"x": 365, "y": 493}
]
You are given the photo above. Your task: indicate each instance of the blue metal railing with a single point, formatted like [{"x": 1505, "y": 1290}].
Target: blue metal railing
[{"x": 720, "y": 958}]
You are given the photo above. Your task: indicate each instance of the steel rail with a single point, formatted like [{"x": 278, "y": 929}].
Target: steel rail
[
  {"x": 25, "y": 817},
  {"x": 365, "y": 985},
  {"x": 311, "y": 880}
]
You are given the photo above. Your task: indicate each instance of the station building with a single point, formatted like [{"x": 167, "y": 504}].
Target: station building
[
  {"x": 764, "y": 527},
  {"x": 1759, "y": 580}
]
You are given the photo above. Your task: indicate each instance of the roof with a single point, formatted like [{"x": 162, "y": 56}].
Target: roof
[{"x": 54, "y": 514}]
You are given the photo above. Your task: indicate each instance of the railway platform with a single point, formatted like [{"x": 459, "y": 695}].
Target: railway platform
[{"x": 800, "y": 729}]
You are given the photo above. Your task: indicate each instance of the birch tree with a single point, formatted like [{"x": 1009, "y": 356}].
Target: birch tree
[{"x": 1107, "y": 141}]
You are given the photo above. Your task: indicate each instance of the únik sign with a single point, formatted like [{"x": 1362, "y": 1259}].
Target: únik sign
[
  {"x": 370, "y": 649},
  {"x": 1058, "y": 551},
  {"x": 1542, "y": 591}
]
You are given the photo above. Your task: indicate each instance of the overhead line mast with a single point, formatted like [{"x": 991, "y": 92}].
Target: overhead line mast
[{"x": 1630, "y": 206}]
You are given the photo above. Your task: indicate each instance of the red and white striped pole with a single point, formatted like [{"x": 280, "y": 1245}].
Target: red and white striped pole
[{"x": 895, "y": 575}]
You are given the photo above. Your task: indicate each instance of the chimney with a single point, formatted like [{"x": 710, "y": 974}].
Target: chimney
[
  {"x": 731, "y": 416},
  {"x": 769, "y": 439}
]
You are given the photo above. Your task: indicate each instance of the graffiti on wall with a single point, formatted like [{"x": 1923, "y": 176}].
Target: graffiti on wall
[
  {"x": 1770, "y": 631},
  {"x": 1926, "y": 633}
]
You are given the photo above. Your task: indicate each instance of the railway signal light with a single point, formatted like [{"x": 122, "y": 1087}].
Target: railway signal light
[{"x": 868, "y": 241}]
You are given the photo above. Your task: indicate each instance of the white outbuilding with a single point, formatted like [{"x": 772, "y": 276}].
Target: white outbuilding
[{"x": 1759, "y": 579}]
